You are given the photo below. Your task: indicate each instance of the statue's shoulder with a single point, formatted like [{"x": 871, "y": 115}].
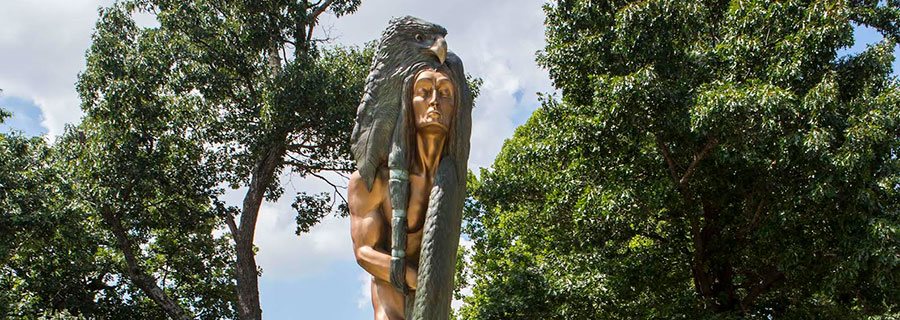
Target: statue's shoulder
[{"x": 360, "y": 198}]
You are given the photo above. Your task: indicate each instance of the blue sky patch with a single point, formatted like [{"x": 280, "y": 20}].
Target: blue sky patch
[{"x": 26, "y": 116}]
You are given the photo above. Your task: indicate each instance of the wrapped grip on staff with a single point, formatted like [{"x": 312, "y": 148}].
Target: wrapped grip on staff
[{"x": 399, "y": 186}]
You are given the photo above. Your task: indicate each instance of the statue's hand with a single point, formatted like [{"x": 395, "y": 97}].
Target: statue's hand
[
  {"x": 412, "y": 277},
  {"x": 399, "y": 275}
]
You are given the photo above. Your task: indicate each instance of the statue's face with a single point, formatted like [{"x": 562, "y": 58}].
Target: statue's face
[{"x": 433, "y": 102}]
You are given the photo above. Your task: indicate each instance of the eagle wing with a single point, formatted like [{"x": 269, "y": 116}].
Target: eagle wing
[{"x": 375, "y": 117}]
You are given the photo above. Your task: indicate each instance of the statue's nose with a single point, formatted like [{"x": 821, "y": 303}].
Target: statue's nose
[
  {"x": 434, "y": 108},
  {"x": 434, "y": 99}
]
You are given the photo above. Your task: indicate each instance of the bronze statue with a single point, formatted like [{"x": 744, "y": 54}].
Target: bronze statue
[{"x": 411, "y": 145}]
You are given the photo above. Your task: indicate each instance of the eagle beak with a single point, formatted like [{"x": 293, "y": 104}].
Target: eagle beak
[{"x": 440, "y": 49}]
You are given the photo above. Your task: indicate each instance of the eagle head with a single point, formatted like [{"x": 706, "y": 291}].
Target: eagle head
[
  {"x": 414, "y": 37},
  {"x": 407, "y": 45}
]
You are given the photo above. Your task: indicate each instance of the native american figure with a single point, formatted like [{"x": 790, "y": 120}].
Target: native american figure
[{"x": 411, "y": 145}]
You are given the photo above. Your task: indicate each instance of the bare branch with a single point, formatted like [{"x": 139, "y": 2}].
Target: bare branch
[
  {"x": 310, "y": 169},
  {"x": 336, "y": 187}
]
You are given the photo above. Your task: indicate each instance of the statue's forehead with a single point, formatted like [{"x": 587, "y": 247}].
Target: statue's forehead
[{"x": 431, "y": 75}]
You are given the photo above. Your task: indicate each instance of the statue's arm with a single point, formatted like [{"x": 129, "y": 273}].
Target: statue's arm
[{"x": 369, "y": 228}]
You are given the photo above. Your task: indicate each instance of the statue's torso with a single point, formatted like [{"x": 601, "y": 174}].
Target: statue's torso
[{"x": 419, "y": 192}]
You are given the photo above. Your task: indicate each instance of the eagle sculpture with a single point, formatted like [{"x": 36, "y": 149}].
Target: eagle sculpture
[
  {"x": 380, "y": 138},
  {"x": 406, "y": 42}
]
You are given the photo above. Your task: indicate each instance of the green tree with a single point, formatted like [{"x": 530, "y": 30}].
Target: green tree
[
  {"x": 220, "y": 94},
  {"x": 50, "y": 251},
  {"x": 706, "y": 159}
]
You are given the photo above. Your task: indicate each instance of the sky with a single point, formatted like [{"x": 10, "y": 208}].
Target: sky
[{"x": 313, "y": 276}]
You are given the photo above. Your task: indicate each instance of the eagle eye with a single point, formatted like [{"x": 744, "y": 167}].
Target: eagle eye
[{"x": 419, "y": 37}]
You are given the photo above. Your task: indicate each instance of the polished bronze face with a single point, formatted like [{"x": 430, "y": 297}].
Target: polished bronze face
[{"x": 433, "y": 102}]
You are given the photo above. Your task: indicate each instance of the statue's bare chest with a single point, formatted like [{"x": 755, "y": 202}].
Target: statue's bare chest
[{"x": 419, "y": 193}]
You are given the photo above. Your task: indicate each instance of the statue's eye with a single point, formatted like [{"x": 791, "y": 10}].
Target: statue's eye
[{"x": 419, "y": 37}]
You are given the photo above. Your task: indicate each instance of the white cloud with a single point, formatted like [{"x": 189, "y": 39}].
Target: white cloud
[
  {"x": 467, "y": 290},
  {"x": 284, "y": 255},
  {"x": 365, "y": 290},
  {"x": 43, "y": 45}
]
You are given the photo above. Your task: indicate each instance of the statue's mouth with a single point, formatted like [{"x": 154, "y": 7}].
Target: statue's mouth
[{"x": 433, "y": 119}]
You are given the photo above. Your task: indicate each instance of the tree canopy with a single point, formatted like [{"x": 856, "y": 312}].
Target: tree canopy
[
  {"x": 706, "y": 159},
  {"x": 218, "y": 94}
]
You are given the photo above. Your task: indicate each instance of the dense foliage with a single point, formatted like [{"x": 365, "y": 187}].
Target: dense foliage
[
  {"x": 48, "y": 260},
  {"x": 216, "y": 94},
  {"x": 706, "y": 159}
]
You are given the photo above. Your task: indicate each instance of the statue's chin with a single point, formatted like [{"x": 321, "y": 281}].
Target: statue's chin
[{"x": 433, "y": 127}]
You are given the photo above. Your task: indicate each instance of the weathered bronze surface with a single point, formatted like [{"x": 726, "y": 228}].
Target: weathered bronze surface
[{"x": 411, "y": 144}]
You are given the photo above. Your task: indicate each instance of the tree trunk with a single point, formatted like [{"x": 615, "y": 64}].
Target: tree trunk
[
  {"x": 246, "y": 269},
  {"x": 260, "y": 179}
]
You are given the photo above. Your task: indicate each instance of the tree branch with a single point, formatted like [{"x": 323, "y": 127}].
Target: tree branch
[
  {"x": 314, "y": 17},
  {"x": 770, "y": 279},
  {"x": 753, "y": 222},
  {"x": 299, "y": 146},
  {"x": 701, "y": 281},
  {"x": 669, "y": 161},
  {"x": 136, "y": 274},
  {"x": 318, "y": 11},
  {"x": 690, "y": 170},
  {"x": 310, "y": 169},
  {"x": 232, "y": 226},
  {"x": 334, "y": 186}
]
